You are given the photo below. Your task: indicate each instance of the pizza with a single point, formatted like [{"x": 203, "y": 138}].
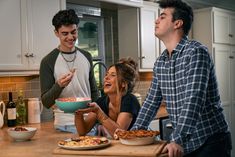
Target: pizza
[
  {"x": 136, "y": 134},
  {"x": 84, "y": 141}
]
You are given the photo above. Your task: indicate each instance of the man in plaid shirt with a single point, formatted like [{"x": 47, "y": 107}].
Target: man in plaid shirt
[{"x": 184, "y": 76}]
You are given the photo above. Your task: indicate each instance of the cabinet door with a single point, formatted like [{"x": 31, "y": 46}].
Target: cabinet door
[
  {"x": 41, "y": 32},
  {"x": 232, "y": 58},
  {"x": 149, "y": 43},
  {"x": 11, "y": 37},
  {"x": 221, "y": 27},
  {"x": 222, "y": 66},
  {"x": 232, "y": 30}
]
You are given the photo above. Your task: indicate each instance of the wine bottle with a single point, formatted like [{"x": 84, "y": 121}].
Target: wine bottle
[
  {"x": 20, "y": 109},
  {"x": 11, "y": 112}
]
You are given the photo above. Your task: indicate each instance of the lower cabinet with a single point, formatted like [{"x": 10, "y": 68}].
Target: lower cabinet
[{"x": 224, "y": 58}]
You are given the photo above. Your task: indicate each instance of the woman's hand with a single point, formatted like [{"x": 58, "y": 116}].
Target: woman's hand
[
  {"x": 93, "y": 107},
  {"x": 174, "y": 150}
]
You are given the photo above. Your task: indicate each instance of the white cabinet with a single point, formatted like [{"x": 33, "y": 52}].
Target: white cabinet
[
  {"x": 137, "y": 34},
  {"x": 149, "y": 44},
  {"x": 27, "y": 34},
  {"x": 132, "y": 3},
  {"x": 214, "y": 27},
  {"x": 232, "y": 58},
  {"x": 223, "y": 64},
  {"x": 224, "y": 57},
  {"x": 224, "y": 24}
]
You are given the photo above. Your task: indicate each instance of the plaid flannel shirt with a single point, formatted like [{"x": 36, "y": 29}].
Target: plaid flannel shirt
[{"x": 187, "y": 82}]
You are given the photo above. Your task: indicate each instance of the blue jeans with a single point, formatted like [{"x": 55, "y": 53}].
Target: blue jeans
[
  {"x": 66, "y": 128},
  {"x": 218, "y": 145}
]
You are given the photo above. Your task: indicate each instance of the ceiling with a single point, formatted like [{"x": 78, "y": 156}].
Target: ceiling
[{"x": 225, "y": 4}]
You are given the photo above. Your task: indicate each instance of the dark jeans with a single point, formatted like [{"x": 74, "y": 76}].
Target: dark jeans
[{"x": 218, "y": 145}]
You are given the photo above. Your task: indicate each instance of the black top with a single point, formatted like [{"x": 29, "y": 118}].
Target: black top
[{"x": 129, "y": 103}]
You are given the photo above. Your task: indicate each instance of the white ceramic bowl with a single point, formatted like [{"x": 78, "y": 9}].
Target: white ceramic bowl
[
  {"x": 138, "y": 141},
  {"x": 22, "y": 135}
]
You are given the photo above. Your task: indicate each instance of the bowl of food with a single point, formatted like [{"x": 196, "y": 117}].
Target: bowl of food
[
  {"x": 137, "y": 137},
  {"x": 21, "y": 133},
  {"x": 71, "y": 104}
]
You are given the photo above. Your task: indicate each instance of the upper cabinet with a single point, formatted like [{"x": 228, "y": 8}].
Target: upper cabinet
[
  {"x": 27, "y": 34},
  {"x": 137, "y": 34},
  {"x": 149, "y": 44},
  {"x": 214, "y": 25},
  {"x": 224, "y": 21},
  {"x": 133, "y": 3}
]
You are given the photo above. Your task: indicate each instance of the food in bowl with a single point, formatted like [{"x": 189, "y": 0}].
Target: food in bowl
[
  {"x": 20, "y": 128},
  {"x": 21, "y": 133},
  {"x": 71, "y": 104},
  {"x": 137, "y": 137}
]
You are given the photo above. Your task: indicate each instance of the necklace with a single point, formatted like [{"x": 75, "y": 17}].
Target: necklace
[
  {"x": 69, "y": 62},
  {"x": 72, "y": 60}
]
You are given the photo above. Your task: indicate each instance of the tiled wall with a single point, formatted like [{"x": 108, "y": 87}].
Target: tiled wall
[{"x": 31, "y": 87}]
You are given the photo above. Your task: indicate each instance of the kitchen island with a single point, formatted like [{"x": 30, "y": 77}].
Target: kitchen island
[{"x": 43, "y": 144}]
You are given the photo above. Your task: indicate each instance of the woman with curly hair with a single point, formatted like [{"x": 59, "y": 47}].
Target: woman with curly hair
[{"x": 118, "y": 108}]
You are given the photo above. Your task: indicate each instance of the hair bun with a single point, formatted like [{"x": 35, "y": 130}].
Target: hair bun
[{"x": 129, "y": 62}]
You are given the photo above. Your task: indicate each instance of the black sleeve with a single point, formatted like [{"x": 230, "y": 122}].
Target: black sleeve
[
  {"x": 103, "y": 103},
  {"x": 50, "y": 90},
  {"x": 130, "y": 104}
]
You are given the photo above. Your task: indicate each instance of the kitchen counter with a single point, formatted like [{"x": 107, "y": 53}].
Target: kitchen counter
[{"x": 41, "y": 145}]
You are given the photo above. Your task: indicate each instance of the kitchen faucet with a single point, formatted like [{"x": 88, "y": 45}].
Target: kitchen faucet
[{"x": 100, "y": 86}]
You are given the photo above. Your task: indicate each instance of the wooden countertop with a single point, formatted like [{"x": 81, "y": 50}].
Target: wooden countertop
[{"x": 41, "y": 145}]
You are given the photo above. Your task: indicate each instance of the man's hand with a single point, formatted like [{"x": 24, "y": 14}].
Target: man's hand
[
  {"x": 65, "y": 79},
  {"x": 174, "y": 150}
]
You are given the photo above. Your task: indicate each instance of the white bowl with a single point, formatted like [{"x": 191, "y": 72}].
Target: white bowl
[
  {"x": 22, "y": 135},
  {"x": 138, "y": 141}
]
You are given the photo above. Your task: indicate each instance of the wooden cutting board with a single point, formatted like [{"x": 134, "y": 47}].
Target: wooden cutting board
[{"x": 118, "y": 149}]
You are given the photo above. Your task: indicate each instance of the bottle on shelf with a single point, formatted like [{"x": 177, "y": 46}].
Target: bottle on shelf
[
  {"x": 11, "y": 112},
  {"x": 20, "y": 109}
]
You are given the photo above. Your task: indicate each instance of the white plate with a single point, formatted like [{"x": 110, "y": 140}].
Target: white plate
[
  {"x": 84, "y": 147},
  {"x": 138, "y": 141}
]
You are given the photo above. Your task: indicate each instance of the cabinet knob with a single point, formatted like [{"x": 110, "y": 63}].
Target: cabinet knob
[
  {"x": 231, "y": 57},
  {"x": 26, "y": 55},
  {"x": 142, "y": 57},
  {"x": 31, "y": 55},
  {"x": 230, "y": 35}
]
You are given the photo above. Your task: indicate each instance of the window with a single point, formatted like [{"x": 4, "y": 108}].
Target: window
[{"x": 91, "y": 39}]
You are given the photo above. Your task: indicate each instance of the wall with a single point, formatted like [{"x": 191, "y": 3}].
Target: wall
[{"x": 31, "y": 87}]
